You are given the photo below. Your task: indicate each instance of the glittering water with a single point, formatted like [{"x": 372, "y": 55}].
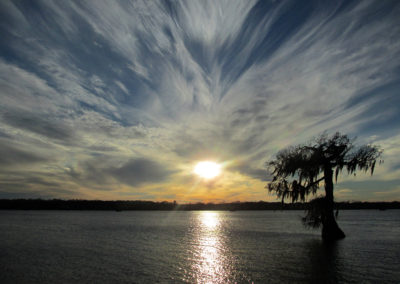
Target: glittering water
[{"x": 195, "y": 247}]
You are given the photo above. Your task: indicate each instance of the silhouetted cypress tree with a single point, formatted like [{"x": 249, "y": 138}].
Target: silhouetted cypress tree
[{"x": 298, "y": 171}]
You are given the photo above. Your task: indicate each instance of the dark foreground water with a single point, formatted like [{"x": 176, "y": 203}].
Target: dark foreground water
[{"x": 195, "y": 247}]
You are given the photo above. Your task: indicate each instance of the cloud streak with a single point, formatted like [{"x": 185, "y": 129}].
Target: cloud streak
[
  {"x": 114, "y": 93},
  {"x": 140, "y": 171}
]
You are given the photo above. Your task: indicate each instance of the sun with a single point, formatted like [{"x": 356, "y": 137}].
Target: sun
[{"x": 207, "y": 169}]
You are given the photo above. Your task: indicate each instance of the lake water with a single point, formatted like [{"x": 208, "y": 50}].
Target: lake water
[{"x": 195, "y": 247}]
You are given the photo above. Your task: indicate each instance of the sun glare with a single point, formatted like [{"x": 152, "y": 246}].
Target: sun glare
[{"x": 207, "y": 169}]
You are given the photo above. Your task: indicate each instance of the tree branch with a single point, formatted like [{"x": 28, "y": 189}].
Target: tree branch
[{"x": 314, "y": 183}]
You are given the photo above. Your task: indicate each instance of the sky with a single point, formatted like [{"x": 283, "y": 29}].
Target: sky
[{"x": 121, "y": 99}]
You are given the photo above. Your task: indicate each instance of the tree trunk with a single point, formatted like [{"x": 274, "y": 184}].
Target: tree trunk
[{"x": 330, "y": 229}]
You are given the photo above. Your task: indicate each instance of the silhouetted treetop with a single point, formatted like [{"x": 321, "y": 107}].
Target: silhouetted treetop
[{"x": 298, "y": 171}]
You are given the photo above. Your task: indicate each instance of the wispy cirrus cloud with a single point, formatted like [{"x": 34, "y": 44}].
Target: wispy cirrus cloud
[{"x": 101, "y": 87}]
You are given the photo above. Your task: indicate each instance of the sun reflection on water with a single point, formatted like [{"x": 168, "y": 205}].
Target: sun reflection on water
[
  {"x": 209, "y": 263},
  {"x": 210, "y": 219}
]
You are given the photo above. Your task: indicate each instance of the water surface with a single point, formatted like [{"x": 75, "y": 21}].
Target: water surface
[{"x": 195, "y": 247}]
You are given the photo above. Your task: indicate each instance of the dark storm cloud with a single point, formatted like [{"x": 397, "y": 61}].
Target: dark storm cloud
[
  {"x": 21, "y": 190},
  {"x": 49, "y": 128},
  {"x": 246, "y": 169},
  {"x": 140, "y": 171},
  {"x": 22, "y": 181},
  {"x": 12, "y": 155},
  {"x": 27, "y": 194},
  {"x": 370, "y": 185},
  {"x": 99, "y": 173},
  {"x": 32, "y": 184}
]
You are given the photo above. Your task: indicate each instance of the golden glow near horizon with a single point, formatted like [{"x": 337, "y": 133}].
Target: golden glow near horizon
[{"x": 207, "y": 169}]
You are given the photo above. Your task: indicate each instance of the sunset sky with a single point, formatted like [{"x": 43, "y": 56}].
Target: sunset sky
[{"x": 121, "y": 100}]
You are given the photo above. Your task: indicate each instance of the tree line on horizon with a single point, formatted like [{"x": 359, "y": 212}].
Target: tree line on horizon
[{"x": 127, "y": 205}]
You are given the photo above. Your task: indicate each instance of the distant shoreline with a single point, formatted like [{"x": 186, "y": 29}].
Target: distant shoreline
[{"x": 125, "y": 205}]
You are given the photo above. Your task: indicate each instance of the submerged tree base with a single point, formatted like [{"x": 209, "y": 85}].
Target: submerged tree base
[
  {"x": 332, "y": 232},
  {"x": 320, "y": 213}
]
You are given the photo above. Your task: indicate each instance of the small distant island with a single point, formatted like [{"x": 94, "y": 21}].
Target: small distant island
[{"x": 127, "y": 205}]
